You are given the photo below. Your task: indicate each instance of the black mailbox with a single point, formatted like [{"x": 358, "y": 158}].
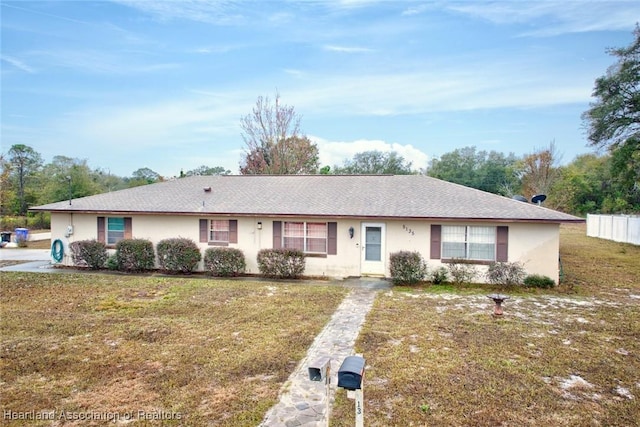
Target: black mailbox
[{"x": 351, "y": 372}]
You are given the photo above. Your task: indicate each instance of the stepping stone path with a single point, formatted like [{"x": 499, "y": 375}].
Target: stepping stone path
[{"x": 302, "y": 401}]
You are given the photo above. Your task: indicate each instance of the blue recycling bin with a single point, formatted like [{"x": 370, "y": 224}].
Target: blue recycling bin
[{"x": 22, "y": 234}]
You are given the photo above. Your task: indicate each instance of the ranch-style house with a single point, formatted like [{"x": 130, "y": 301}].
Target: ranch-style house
[{"x": 348, "y": 225}]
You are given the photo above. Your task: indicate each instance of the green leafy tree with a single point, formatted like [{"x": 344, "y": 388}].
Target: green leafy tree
[
  {"x": 582, "y": 185},
  {"x": 107, "y": 181},
  {"x": 488, "y": 171},
  {"x": 207, "y": 170},
  {"x": 274, "y": 142},
  {"x": 25, "y": 163},
  {"x": 613, "y": 122},
  {"x": 7, "y": 193},
  {"x": 615, "y": 115},
  {"x": 66, "y": 178},
  {"x": 625, "y": 178},
  {"x": 144, "y": 176},
  {"x": 375, "y": 163}
]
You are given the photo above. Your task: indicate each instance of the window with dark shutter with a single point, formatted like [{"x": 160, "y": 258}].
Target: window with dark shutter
[
  {"x": 101, "y": 229},
  {"x": 332, "y": 236},
  {"x": 218, "y": 232},
  {"x": 436, "y": 233},
  {"x": 277, "y": 234},
  {"x": 233, "y": 231},
  {"x": 502, "y": 244},
  {"x": 204, "y": 231},
  {"x": 128, "y": 228}
]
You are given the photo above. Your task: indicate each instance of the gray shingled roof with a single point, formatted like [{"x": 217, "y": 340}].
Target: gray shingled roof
[{"x": 382, "y": 196}]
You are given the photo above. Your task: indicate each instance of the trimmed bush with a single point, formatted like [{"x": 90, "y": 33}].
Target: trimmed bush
[
  {"x": 281, "y": 263},
  {"x": 506, "y": 274},
  {"x": 135, "y": 255},
  {"x": 112, "y": 262},
  {"x": 407, "y": 268},
  {"x": 178, "y": 255},
  {"x": 224, "y": 262},
  {"x": 539, "y": 281},
  {"x": 89, "y": 253},
  {"x": 462, "y": 272},
  {"x": 439, "y": 275}
]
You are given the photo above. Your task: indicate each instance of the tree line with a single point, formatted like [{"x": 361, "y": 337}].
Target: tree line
[
  {"x": 602, "y": 182},
  {"x": 27, "y": 181},
  {"x": 588, "y": 184}
]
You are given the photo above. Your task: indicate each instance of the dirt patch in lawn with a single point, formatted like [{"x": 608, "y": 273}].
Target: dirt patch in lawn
[
  {"x": 570, "y": 356},
  {"x": 437, "y": 359}
]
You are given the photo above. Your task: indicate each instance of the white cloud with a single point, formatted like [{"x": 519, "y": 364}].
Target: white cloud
[
  {"x": 221, "y": 12},
  {"x": 347, "y": 49},
  {"x": 18, "y": 64},
  {"x": 476, "y": 86},
  {"x": 334, "y": 153},
  {"x": 556, "y": 17},
  {"x": 192, "y": 119},
  {"x": 415, "y": 10},
  {"x": 99, "y": 62}
]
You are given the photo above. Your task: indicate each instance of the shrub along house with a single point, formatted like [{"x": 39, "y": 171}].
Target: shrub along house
[{"x": 347, "y": 225}]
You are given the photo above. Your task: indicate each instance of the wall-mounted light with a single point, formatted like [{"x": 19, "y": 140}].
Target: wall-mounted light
[
  {"x": 259, "y": 225},
  {"x": 351, "y": 231}
]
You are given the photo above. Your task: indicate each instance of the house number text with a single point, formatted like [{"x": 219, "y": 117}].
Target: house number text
[{"x": 408, "y": 230}]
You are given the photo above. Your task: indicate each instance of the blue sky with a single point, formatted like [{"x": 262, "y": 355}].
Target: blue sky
[{"x": 163, "y": 84}]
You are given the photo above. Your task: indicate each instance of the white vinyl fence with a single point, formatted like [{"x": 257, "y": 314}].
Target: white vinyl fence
[{"x": 619, "y": 228}]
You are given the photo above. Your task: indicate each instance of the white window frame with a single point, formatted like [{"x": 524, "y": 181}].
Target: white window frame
[
  {"x": 468, "y": 237},
  {"x": 305, "y": 236},
  {"x": 213, "y": 231},
  {"x": 113, "y": 236}
]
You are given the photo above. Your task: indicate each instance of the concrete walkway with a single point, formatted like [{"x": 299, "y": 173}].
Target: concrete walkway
[
  {"x": 39, "y": 260},
  {"x": 25, "y": 254},
  {"x": 303, "y": 402}
]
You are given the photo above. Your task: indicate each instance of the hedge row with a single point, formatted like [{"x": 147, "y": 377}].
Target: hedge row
[
  {"x": 181, "y": 255},
  {"x": 409, "y": 268}
]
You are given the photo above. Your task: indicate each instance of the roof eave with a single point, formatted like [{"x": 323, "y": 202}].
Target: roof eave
[{"x": 309, "y": 215}]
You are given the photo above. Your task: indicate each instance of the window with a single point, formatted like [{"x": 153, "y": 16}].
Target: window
[
  {"x": 219, "y": 231},
  {"x": 467, "y": 242},
  {"x": 309, "y": 237},
  {"x": 112, "y": 230},
  {"x": 115, "y": 230}
]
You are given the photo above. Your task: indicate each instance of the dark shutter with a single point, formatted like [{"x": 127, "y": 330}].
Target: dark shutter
[
  {"x": 128, "y": 234},
  {"x": 436, "y": 240},
  {"x": 277, "y": 234},
  {"x": 101, "y": 229},
  {"x": 204, "y": 230},
  {"x": 332, "y": 238},
  {"x": 502, "y": 244},
  {"x": 233, "y": 231}
]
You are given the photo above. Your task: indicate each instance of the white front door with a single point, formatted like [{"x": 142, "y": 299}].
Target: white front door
[{"x": 373, "y": 251}]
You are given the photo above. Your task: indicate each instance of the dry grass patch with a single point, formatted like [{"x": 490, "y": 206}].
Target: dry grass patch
[
  {"x": 208, "y": 352},
  {"x": 436, "y": 356},
  {"x": 596, "y": 266}
]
